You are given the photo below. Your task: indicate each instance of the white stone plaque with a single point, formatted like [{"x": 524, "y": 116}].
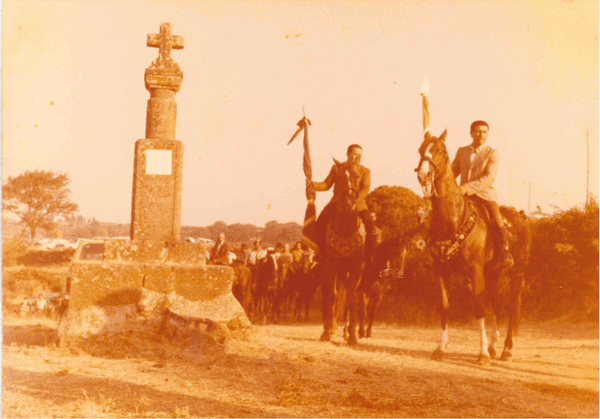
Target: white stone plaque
[{"x": 158, "y": 162}]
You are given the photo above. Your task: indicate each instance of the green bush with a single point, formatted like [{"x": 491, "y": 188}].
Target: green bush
[
  {"x": 12, "y": 250},
  {"x": 563, "y": 274}
]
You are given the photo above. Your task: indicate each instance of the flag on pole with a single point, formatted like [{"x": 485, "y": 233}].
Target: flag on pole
[
  {"x": 309, "y": 230},
  {"x": 424, "y": 91}
]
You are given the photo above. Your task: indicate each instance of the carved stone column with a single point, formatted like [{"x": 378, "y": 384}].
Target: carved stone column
[{"x": 158, "y": 162}]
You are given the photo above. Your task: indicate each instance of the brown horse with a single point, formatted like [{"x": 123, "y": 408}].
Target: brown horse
[
  {"x": 305, "y": 282},
  {"x": 266, "y": 303},
  {"x": 242, "y": 286},
  {"x": 343, "y": 260},
  {"x": 462, "y": 243}
]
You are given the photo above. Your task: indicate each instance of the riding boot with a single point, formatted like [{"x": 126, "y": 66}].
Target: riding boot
[
  {"x": 506, "y": 259},
  {"x": 370, "y": 242}
]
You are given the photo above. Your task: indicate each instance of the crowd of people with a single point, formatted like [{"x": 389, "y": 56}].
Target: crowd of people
[
  {"x": 282, "y": 255},
  {"x": 40, "y": 306}
]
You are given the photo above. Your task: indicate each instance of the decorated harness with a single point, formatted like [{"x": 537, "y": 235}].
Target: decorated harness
[
  {"x": 346, "y": 246},
  {"x": 444, "y": 250}
]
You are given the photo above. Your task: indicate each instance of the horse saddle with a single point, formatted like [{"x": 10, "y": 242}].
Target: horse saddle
[
  {"x": 346, "y": 246},
  {"x": 508, "y": 220}
]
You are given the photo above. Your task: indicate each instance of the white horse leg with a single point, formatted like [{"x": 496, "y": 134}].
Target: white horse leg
[
  {"x": 495, "y": 338},
  {"x": 484, "y": 355},
  {"x": 438, "y": 354},
  {"x": 443, "y": 339}
]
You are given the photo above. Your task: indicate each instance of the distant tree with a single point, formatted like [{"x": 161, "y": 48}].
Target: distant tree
[
  {"x": 289, "y": 233},
  {"x": 37, "y": 198},
  {"x": 240, "y": 233},
  {"x": 396, "y": 209},
  {"x": 271, "y": 231},
  {"x": 216, "y": 228}
]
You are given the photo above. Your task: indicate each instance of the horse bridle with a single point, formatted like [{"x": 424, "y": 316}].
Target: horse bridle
[
  {"x": 431, "y": 177},
  {"x": 429, "y": 160}
]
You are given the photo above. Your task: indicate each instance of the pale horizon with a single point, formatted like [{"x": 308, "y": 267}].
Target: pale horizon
[{"x": 73, "y": 96}]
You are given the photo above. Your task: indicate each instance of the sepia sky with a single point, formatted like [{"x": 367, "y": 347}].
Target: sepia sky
[{"x": 73, "y": 96}]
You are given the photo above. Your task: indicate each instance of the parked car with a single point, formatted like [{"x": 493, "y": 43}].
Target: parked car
[
  {"x": 75, "y": 243},
  {"x": 42, "y": 244},
  {"x": 51, "y": 244},
  {"x": 207, "y": 242},
  {"x": 60, "y": 244}
]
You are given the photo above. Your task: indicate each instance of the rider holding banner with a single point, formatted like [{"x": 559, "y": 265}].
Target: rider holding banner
[
  {"x": 360, "y": 176},
  {"x": 477, "y": 165}
]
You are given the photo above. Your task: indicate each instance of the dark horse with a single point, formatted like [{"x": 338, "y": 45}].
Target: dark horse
[
  {"x": 462, "y": 243},
  {"x": 388, "y": 266},
  {"x": 305, "y": 282},
  {"x": 343, "y": 260}
]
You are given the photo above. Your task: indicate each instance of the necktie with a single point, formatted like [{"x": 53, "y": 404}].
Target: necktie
[{"x": 474, "y": 152}]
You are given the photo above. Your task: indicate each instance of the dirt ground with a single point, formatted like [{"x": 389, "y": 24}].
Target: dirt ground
[{"x": 284, "y": 371}]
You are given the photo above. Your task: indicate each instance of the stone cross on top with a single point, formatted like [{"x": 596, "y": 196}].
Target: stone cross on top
[{"x": 164, "y": 41}]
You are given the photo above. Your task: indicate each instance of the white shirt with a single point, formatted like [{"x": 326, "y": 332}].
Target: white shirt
[{"x": 475, "y": 151}]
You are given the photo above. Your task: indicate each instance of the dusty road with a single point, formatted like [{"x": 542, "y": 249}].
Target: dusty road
[{"x": 284, "y": 371}]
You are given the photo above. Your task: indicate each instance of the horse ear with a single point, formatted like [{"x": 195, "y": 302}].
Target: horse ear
[
  {"x": 443, "y": 136},
  {"x": 337, "y": 163}
]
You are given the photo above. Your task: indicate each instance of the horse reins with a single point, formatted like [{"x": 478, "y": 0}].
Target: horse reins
[{"x": 432, "y": 175}]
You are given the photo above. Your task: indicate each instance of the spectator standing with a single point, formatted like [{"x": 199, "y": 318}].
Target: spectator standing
[
  {"x": 40, "y": 305},
  {"x": 24, "y": 308},
  {"x": 297, "y": 254},
  {"x": 256, "y": 254},
  {"x": 242, "y": 254},
  {"x": 220, "y": 253}
]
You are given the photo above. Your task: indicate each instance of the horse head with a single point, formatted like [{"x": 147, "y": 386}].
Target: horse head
[
  {"x": 349, "y": 195},
  {"x": 434, "y": 162}
]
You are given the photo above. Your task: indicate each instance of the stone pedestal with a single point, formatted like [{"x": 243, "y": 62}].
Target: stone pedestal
[
  {"x": 116, "y": 286},
  {"x": 156, "y": 198}
]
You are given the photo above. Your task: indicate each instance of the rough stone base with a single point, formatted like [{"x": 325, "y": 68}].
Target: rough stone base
[
  {"x": 119, "y": 286},
  {"x": 220, "y": 319}
]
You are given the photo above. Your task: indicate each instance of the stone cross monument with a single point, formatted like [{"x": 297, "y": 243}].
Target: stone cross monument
[
  {"x": 158, "y": 162},
  {"x": 153, "y": 281}
]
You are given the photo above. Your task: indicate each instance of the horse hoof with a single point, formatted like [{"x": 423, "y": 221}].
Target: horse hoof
[
  {"x": 483, "y": 360},
  {"x": 361, "y": 333},
  {"x": 325, "y": 337},
  {"x": 506, "y": 355},
  {"x": 437, "y": 355},
  {"x": 352, "y": 341},
  {"x": 492, "y": 352}
]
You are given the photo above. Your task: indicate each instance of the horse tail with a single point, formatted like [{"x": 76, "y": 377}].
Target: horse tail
[{"x": 515, "y": 293}]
